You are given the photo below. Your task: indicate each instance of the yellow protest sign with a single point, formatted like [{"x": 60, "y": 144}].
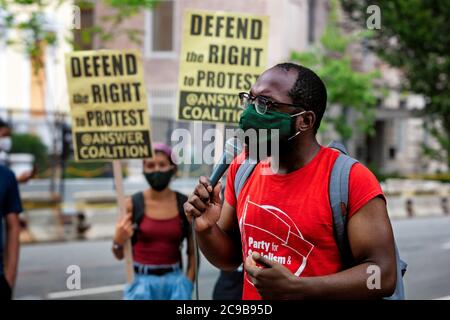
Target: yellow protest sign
[
  {"x": 108, "y": 105},
  {"x": 222, "y": 54}
]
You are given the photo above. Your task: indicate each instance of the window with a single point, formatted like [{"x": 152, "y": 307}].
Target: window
[
  {"x": 83, "y": 38},
  {"x": 161, "y": 27},
  {"x": 311, "y": 20},
  {"x": 392, "y": 153}
]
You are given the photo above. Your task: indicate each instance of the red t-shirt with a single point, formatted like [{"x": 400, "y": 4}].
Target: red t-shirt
[{"x": 287, "y": 217}]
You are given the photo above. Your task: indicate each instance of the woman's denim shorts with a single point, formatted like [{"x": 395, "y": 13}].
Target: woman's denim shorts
[{"x": 170, "y": 286}]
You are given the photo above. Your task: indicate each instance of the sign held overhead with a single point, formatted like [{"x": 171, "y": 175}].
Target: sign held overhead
[
  {"x": 108, "y": 105},
  {"x": 222, "y": 54}
]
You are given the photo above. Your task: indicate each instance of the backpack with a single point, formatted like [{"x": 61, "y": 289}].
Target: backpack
[
  {"x": 139, "y": 211},
  {"x": 338, "y": 194}
]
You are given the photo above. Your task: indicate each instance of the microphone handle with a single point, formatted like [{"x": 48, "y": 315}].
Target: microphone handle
[{"x": 217, "y": 174}]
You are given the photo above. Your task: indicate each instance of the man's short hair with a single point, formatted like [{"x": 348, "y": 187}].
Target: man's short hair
[{"x": 308, "y": 90}]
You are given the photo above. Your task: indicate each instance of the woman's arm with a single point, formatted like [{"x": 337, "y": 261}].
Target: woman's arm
[
  {"x": 124, "y": 231},
  {"x": 190, "y": 272}
]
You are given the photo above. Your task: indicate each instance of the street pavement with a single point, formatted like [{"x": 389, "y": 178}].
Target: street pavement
[{"x": 423, "y": 242}]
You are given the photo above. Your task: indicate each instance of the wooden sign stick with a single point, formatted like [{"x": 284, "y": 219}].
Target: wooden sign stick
[{"x": 118, "y": 182}]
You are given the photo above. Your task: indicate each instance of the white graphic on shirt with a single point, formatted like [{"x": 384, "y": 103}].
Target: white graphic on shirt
[{"x": 273, "y": 234}]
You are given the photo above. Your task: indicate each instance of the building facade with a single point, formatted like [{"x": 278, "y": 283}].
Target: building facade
[
  {"x": 31, "y": 96},
  {"x": 295, "y": 25}
]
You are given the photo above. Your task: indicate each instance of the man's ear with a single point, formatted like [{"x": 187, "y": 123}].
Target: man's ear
[{"x": 306, "y": 121}]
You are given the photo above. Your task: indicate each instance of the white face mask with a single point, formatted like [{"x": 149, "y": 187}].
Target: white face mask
[{"x": 5, "y": 144}]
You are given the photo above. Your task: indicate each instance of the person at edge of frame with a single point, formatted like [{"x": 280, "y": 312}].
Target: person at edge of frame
[{"x": 10, "y": 223}]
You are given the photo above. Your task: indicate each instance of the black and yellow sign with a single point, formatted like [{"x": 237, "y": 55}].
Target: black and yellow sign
[
  {"x": 108, "y": 105},
  {"x": 222, "y": 54}
]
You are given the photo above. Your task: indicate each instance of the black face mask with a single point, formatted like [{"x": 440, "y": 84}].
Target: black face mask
[{"x": 159, "y": 180}]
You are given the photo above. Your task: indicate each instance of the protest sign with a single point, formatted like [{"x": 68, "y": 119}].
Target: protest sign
[
  {"x": 109, "y": 114},
  {"x": 108, "y": 105},
  {"x": 222, "y": 54}
]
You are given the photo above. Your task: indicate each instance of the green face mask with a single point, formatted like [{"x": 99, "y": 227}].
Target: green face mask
[{"x": 251, "y": 119}]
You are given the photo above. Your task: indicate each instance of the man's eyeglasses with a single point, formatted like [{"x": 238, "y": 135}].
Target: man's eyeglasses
[{"x": 262, "y": 103}]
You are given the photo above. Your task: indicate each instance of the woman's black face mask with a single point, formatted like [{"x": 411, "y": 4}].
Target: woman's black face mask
[{"x": 159, "y": 180}]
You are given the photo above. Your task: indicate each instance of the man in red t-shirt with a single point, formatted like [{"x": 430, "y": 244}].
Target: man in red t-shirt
[{"x": 281, "y": 224}]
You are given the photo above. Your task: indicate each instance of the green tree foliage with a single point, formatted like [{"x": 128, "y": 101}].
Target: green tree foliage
[
  {"x": 88, "y": 170},
  {"x": 415, "y": 37},
  {"x": 113, "y": 23},
  {"x": 32, "y": 34},
  {"x": 346, "y": 87},
  {"x": 35, "y": 34},
  {"x": 32, "y": 144}
]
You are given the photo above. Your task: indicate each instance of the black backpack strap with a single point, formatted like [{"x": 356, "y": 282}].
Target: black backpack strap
[
  {"x": 137, "y": 200},
  {"x": 181, "y": 199},
  {"x": 185, "y": 225}
]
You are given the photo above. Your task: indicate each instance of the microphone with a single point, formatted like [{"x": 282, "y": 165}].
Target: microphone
[{"x": 233, "y": 147}]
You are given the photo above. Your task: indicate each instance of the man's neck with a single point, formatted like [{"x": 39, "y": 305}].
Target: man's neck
[{"x": 297, "y": 155}]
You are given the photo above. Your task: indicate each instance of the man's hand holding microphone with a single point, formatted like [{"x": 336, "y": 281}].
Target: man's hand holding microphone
[
  {"x": 204, "y": 204},
  {"x": 213, "y": 219}
]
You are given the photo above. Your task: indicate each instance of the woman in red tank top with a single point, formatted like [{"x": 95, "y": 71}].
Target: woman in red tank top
[{"x": 157, "y": 226}]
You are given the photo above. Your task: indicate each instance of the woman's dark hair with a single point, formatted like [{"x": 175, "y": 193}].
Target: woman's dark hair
[{"x": 164, "y": 154}]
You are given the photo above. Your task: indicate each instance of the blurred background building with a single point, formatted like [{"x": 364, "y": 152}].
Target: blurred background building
[
  {"x": 30, "y": 96},
  {"x": 32, "y": 100},
  {"x": 295, "y": 25}
]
